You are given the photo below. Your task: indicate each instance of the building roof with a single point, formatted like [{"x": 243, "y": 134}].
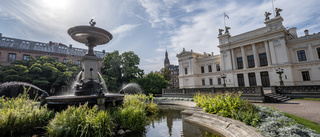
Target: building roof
[{"x": 51, "y": 47}]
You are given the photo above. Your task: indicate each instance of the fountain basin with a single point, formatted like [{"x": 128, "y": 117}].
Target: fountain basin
[
  {"x": 62, "y": 102},
  {"x": 90, "y": 35}
]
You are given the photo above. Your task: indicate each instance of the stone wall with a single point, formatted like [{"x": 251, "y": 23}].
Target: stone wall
[
  {"x": 250, "y": 93},
  {"x": 312, "y": 91}
]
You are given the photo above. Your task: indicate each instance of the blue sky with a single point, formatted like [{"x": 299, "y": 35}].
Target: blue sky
[{"x": 149, "y": 27}]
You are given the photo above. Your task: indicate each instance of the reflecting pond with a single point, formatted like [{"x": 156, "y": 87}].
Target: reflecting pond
[{"x": 169, "y": 123}]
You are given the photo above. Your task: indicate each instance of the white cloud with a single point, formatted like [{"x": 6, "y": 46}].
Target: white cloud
[{"x": 124, "y": 28}]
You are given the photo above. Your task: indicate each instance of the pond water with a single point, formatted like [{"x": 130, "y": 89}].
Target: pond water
[{"x": 169, "y": 123}]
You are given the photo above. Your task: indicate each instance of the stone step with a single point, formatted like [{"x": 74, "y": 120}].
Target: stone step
[{"x": 275, "y": 98}]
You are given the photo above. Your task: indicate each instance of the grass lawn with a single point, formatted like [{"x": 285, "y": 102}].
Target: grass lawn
[
  {"x": 312, "y": 99},
  {"x": 304, "y": 122}
]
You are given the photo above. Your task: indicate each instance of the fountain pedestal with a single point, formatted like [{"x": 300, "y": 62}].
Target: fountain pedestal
[
  {"x": 89, "y": 83},
  {"x": 88, "y": 87}
]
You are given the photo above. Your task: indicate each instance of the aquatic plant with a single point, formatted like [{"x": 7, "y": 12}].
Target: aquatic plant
[
  {"x": 22, "y": 116},
  {"x": 81, "y": 121},
  {"x": 134, "y": 111}
]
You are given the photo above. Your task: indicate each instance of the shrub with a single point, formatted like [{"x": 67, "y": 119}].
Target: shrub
[
  {"x": 22, "y": 116},
  {"x": 228, "y": 105},
  {"x": 276, "y": 124},
  {"x": 81, "y": 121},
  {"x": 134, "y": 111}
]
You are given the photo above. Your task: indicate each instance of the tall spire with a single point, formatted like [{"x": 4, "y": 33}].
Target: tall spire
[{"x": 166, "y": 60}]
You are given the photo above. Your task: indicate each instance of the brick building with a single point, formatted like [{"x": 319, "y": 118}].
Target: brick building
[
  {"x": 174, "y": 82},
  {"x": 12, "y": 49}
]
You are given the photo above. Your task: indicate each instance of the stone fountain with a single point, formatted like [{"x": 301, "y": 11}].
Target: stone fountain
[{"x": 88, "y": 88}]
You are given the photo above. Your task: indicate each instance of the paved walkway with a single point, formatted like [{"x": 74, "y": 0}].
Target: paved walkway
[{"x": 306, "y": 109}]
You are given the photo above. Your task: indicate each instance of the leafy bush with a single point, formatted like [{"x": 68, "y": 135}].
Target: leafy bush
[
  {"x": 134, "y": 111},
  {"x": 228, "y": 105},
  {"x": 22, "y": 116},
  {"x": 81, "y": 121}
]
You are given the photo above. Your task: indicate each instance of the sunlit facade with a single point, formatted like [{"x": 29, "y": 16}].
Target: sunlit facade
[{"x": 252, "y": 59}]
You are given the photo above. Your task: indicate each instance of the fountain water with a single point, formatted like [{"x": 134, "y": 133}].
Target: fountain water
[
  {"x": 131, "y": 88},
  {"x": 103, "y": 83},
  {"x": 89, "y": 86}
]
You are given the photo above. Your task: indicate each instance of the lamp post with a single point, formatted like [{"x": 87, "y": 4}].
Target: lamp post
[
  {"x": 280, "y": 71},
  {"x": 223, "y": 76}
]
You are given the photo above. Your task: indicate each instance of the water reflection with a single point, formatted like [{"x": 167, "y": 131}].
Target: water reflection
[{"x": 169, "y": 123}]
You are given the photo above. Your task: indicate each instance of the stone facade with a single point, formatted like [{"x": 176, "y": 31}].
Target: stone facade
[
  {"x": 12, "y": 49},
  {"x": 252, "y": 59},
  {"x": 174, "y": 82}
]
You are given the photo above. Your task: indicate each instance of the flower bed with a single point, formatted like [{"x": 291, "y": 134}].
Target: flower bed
[{"x": 268, "y": 121}]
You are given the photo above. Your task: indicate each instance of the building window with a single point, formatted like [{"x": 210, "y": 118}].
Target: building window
[
  {"x": 65, "y": 60},
  {"x": 239, "y": 63},
  {"x": 240, "y": 80},
  {"x": 219, "y": 81},
  {"x": 202, "y": 69},
  {"x": 12, "y": 57},
  {"x": 209, "y": 68},
  {"x": 305, "y": 75},
  {"x": 79, "y": 62},
  {"x": 263, "y": 59},
  {"x": 203, "y": 82},
  {"x": 26, "y": 57},
  {"x": 318, "y": 51},
  {"x": 210, "y": 81},
  {"x": 185, "y": 70},
  {"x": 301, "y": 55},
  {"x": 55, "y": 59},
  {"x": 218, "y": 67},
  {"x": 250, "y": 61}
]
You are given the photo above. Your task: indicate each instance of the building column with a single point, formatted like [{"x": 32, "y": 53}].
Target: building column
[
  {"x": 266, "y": 46},
  {"x": 285, "y": 56},
  {"x": 311, "y": 53},
  {"x": 234, "y": 67},
  {"x": 246, "y": 79},
  {"x": 222, "y": 61},
  {"x": 244, "y": 58},
  {"x": 272, "y": 53},
  {"x": 258, "y": 78},
  {"x": 255, "y": 56}
]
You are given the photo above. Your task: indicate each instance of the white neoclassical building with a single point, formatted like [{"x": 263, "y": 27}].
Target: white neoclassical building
[{"x": 252, "y": 59}]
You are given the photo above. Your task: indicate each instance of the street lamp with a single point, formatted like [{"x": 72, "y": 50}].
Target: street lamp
[
  {"x": 223, "y": 76},
  {"x": 280, "y": 71}
]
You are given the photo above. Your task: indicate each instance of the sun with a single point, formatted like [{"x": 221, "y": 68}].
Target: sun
[{"x": 55, "y": 4}]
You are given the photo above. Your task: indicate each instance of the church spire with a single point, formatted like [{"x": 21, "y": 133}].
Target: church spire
[{"x": 166, "y": 60}]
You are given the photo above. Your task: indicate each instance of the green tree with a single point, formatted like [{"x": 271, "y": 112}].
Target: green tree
[
  {"x": 166, "y": 73},
  {"x": 152, "y": 83},
  {"x": 130, "y": 70},
  {"x": 111, "y": 70},
  {"x": 117, "y": 69},
  {"x": 43, "y": 72}
]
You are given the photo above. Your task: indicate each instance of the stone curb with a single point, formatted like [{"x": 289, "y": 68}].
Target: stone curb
[{"x": 219, "y": 125}]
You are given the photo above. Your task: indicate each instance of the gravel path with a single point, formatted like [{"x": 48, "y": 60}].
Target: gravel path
[{"x": 306, "y": 109}]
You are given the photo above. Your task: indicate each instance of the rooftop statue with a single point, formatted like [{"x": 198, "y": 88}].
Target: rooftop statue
[
  {"x": 278, "y": 10},
  {"x": 220, "y": 31},
  {"x": 267, "y": 14},
  {"x": 92, "y": 22},
  {"x": 227, "y": 29}
]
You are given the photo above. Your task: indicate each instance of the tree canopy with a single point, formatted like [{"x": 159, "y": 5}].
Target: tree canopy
[
  {"x": 43, "y": 72},
  {"x": 152, "y": 83},
  {"x": 118, "y": 69}
]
